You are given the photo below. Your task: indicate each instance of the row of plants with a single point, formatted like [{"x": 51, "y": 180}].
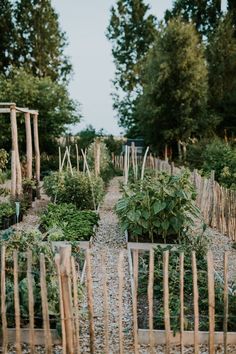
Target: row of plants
[
  {"x": 35, "y": 241},
  {"x": 189, "y": 244},
  {"x": 65, "y": 222},
  {"x": 159, "y": 208}
]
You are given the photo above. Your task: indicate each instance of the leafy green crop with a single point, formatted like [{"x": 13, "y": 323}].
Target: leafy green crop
[
  {"x": 78, "y": 189},
  {"x": 73, "y": 224},
  {"x": 159, "y": 206}
]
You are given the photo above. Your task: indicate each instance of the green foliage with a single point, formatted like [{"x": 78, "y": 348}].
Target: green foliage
[
  {"x": 77, "y": 189},
  {"x": 158, "y": 207},
  {"x": 3, "y": 159},
  {"x": 174, "y": 288},
  {"x": 52, "y": 100},
  {"x": 66, "y": 222},
  {"x": 221, "y": 55},
  {"x": 6, "y": 209},
  {"x": 21, "y": 242},
  {"x": 131, "y": 31},
  {"x": 174, "y": 101},
  {"x": 204, "y": 14},
  {"x": 31, "y": 38},
  {"x": 86, "y": 137}
]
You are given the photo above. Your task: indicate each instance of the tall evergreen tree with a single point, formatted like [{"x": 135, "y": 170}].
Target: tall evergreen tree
[
  {"x": 40, "y": 42},
  {"x": 222, "y": 72},
  {"x": 7, "y": 35},
  {"x": 203, "y": 13},
  {"x": 174, "y": 101},
  {"x": 131, "y": 31},
  {"x": 232, "y": 10}
]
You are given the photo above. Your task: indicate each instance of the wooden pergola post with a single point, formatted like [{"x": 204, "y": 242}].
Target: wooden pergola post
[
  {"x": 16, "y": 167},
  {"x": 28, "y": 145},
  {"x": 37, "y": 152}
]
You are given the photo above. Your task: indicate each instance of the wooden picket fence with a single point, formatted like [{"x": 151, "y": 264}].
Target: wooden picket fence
[
  {"x": 217, "y": 204},
  {"x": 68, "y": 281}
]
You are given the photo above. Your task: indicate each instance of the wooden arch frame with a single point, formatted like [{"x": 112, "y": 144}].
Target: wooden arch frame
[{"x": 16, "y": 174}]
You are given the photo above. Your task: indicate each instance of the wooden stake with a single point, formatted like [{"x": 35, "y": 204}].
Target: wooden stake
[
  {"x": 120, "y": 300},
  {"x": 135, "y": 303},
  {"x": 62, "y": 315},
  {"x": 44, "y": 298},
  {"x": 166, "y": 299},
  {"x": 182, "y": 302},
  {"x": 226, "y": 301},
  {"x": 17, "y": 303},
  {"x": 30, "y": 302},
  {"x": 90, "y": 302},
  {"x": 150, "y": 299},
  {"x": 76, "y": 305},
  {"x": 195, "y": 304},
  {"x": 3, "y": 302},
  {"x": 211, "y": 301},
  {"x": 105, "y": 306},
  {"x": 29, "y": 153},
  {"x": 13, "y": 174}
]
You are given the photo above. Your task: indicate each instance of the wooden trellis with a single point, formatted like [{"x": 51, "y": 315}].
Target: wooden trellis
[{"x": 16, "y": 174}]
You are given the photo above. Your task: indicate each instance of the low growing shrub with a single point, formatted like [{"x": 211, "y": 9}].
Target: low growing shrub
[{"x": 79, "y": 189}]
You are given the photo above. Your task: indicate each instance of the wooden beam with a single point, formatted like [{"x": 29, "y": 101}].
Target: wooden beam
[
  {"x": 28, "y": 145},
  {"x": 5, "y": 110},
  {"x": 16, "y": 149},
  {"x": 26, "y": 110},
  {"x": 37, "y": 152}
]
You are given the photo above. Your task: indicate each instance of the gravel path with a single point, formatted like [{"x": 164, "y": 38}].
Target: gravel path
[{"x": 110, "y": 240}]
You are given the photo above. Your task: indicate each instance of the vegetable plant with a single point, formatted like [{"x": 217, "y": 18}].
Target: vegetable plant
[
  {"x": 159, "y": 207},
  {"x": 69, "y": 223},
  {"x": 77, "y": 188}
]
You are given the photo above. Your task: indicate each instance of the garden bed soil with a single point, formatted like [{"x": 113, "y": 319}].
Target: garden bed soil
[{"x": 170, "y": 239}]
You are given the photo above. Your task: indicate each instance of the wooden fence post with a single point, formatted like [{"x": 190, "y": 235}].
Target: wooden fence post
[
  {"x": 15, "y": 148},
  {"x": 30, "y": 301},
  {"x": 195, "y": 304},
  {"x": 3, "y": 301},
  {"x": 37, "y": 152},
  {"x": 120, "y": 300},
  {"x": 211, "y": 301},
  {"x": 150, "y": 299},
  {"x": 65, "y": 272},
  {"x": 17, "y": 303},
  {"x": 105, "y": 306},
  {"x": 90, "y": 301},
  {"x": 182, "y": 302},
  {"x": 29, "y": 153},
  {"x": 166, "y": 299},
  {"x": 226, "y": 301},
  {"x": 135, "y": 302},
  {"x": 76, "y": 305}
]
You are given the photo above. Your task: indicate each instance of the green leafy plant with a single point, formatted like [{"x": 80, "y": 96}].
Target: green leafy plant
[
  {"x": 66, "y": 222},
  {"x": 77, "y": 188},
  {"x": 158, "y": 208},
  {"x": 174, "y": 288},
  {"x": 3, "y": 159}
]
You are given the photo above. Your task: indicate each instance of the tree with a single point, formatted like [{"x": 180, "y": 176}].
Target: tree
[
  {"x": 203, "y": 13},
  {"x": 232, "y": 10},
  {"x": 7, "y": 35},
  {"x": 40, "y": 41},
  {"x": 56, "y": 109},
  {"x": 131, "y": 31},
  {"x": 222, "y": 72},
  {"x": 174, "y": 101}
]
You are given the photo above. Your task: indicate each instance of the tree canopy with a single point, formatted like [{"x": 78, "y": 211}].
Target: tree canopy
[
  {"x": 174, "y": 100},
  {"x": 131, "y": 31}
]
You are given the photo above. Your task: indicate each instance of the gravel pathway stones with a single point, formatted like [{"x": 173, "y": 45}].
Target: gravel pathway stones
[{"x": 109, "y": 240}]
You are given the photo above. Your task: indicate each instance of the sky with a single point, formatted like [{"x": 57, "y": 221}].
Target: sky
[{"x": 85, "y": 23}]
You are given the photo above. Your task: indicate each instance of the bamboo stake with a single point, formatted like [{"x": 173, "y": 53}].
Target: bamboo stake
[
  {"x": 90, "y": 302},
  {"x": 44, "y": 298},
  {"x": 3, "y": 301},
  {"x": 150, "y": 299},
  {"x": 211, "y": 301},
  {"x": 60, "y": 162},
  {"x": 135, "y": 304},
  {"x": 226, "y": 301},
  {"x": 182, "y": 302},
  {"x": 17, "y": 303},
  {"x": 76, "y": 305},
  {"x": 105, "y": 306},
  {"x": 13, "y": 174},
  {"x": 120, "y": 300},
  {"x": 195, "y": 304},
  {"x": 62, "y": 315},
  {"x": 143, "y": 165},
  {"x": 77, "y": 156},
  {"x": 166, "y": 299},
  {"x": 30, "y": 301}
]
